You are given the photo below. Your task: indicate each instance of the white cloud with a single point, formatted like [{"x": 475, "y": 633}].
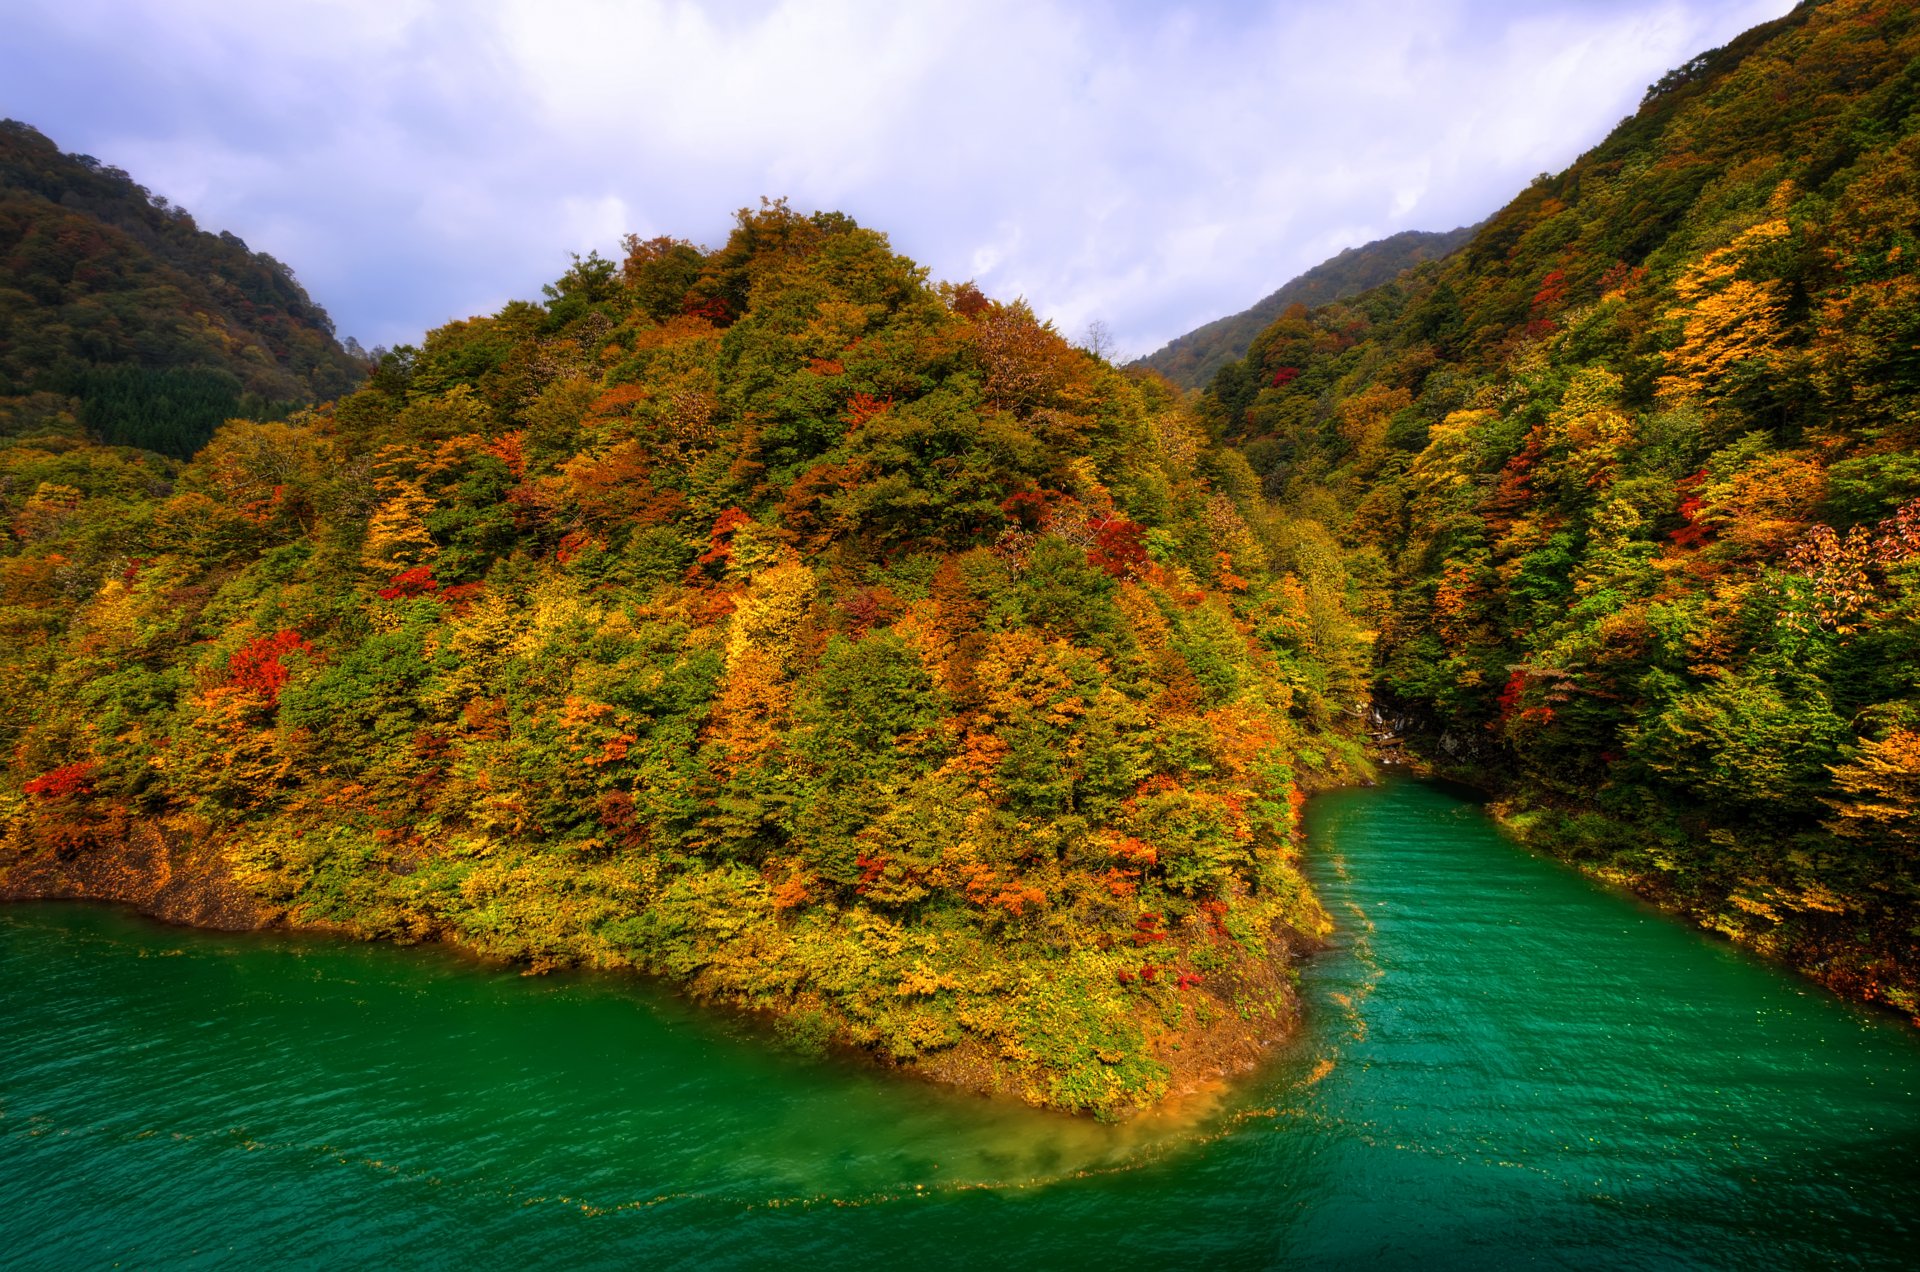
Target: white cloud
[{"x": 1152, "y": 169}]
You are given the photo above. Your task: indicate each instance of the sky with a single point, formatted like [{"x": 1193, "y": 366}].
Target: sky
[{"x": 1149, "y": 166}]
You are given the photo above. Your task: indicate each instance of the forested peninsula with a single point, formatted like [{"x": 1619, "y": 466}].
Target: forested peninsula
[
  {"x": 853, "y": 649},
  {"x": 836, "y": 645}
]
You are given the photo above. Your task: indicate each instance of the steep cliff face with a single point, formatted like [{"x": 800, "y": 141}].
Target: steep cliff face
[
  {"x": 1631, "y": 479},
  {"x": 764, "y": 618}
]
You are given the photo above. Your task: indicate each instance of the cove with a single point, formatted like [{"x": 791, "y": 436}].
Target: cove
[{"x": 1504, "y": 1064}]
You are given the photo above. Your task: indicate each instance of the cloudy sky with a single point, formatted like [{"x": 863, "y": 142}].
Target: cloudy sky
[{"x": 1149, "y": 165}]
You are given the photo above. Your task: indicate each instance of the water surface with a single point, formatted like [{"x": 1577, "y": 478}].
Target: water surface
[{"x": 1505, "y": 1065}]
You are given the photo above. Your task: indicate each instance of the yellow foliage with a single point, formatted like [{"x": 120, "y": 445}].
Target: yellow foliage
[
  {"x": 1364, "y": 418},
  {"x": 751, "y": 707},
  {"x": 1149, "y": 626},
  {"x": 1883, "y": 788},
  {"x": 249, "y": 464},
  {"x": 1767, "y": 504},
  {"x": 766, "y": 617},
  {"x": 1021, "y": 672},
  {"x": 1725, "y": 320},
  {"x": 1175, "y": 439},
  {"x": 397, "y": 537},
  {"x": 47, "y": 510}
]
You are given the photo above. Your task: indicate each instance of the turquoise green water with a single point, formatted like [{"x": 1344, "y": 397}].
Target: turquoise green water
[{"x": 1504, "y": 1066}]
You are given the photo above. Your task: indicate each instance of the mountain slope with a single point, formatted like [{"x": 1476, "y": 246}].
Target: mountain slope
[
  {"x": 1632, "y": 482},
  {"x": 115, "y": 308},
  {"x": 833, "y": 644},
  {"x": 1192, "y": 360}
]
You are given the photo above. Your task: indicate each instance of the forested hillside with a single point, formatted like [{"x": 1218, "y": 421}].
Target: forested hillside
[
  {"x": 1191, "y": 361},
  {"x": 829, "y": 642},
  {"x": 120, "y": 316},
  {"x": 1632, "y": 481}
]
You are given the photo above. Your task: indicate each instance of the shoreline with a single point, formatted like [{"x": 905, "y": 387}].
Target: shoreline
[
  {"x": 187, "y": 886},
  {"x": 1510, "y": 812}
]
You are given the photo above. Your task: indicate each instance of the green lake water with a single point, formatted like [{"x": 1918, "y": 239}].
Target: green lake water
[{"x": 1504, "y": 1065}]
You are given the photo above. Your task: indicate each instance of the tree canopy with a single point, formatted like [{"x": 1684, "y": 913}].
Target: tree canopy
[{"x": 1631, "y": 481}]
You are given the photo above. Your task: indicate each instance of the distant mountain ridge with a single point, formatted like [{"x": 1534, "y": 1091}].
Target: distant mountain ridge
[
  {"x": 1190, "y": 361},
  {"x": 119, "y": 313}
]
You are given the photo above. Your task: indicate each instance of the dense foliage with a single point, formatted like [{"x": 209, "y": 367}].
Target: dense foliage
[
  {"x": 833, "y": 643},
  {"x": 1191, "y": 361},
  {"x": 118, "y": 314},
  {"x": 1632, "y": 480}
]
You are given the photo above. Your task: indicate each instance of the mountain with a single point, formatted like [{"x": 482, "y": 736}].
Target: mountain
[
  {"x": 1192, "y": 360},
  {"x": 1633, "y": 485},
  {"x": 119, "y": 314},
  {"x": 832, "y": 644}
]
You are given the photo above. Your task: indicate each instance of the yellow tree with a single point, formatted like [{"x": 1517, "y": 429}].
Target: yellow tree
[
  {"x": 1725, "y": 320},
  {"x": 1883, "y": 793},
  {"x": 397, "y": 537}
]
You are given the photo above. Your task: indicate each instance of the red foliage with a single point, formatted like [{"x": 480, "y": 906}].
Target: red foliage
[
  {"x": 1691, "y": 534},
  {"x": 1510, "y": 696},
  {"x": 68, "y": 780},
  {"x": 1188, "y": 980},
  {"x": 1514, "y": 490},
  {"x": 1015, "y": 899},
  {"x": 256, "y": 667},
  {"x": 969, "y": 300},
  {"x": 712, "y": 308},
  {"x": 617, "y": 402},
  {"x": 1149, "y": 929},
  {"x": 262, "y": 511},
  {"x": 1149, "y": 973},
  {"x": 460, "y": 595},
  {"x": 868, "y": 608},
  {"x": 572, "y": 544},
  {"x": 1552, "y": 294},
  {"x": 1119, "y": 547},
  {"x": 1622, "y": 278},
  {"x": 715, "y": 607},
  {"x": 1216, "y": 916},
  {"x": 862, "y": 407},
  {"x": 871, "y": 868},
  {"x": 616, "y": 814},
  {"x": 134, "y": 566},
  {"x": 530, "y": 506},
  {"x": 791, "y": 894},
  {"x": 826, "y": 366},
  {"x": 1285, "y": 376},
  {"x": 507, "y": 451},
  {"x": 719, "y": 544},
  {"x": 1229, "y": 581},
  {"x": 418, "y": 581},
  {"x": 1553, "y": 290},
  {"x": 1028, "y": 509}
]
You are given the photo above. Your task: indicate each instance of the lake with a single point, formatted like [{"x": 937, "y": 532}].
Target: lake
[{"x": 1504, "y": 1064}]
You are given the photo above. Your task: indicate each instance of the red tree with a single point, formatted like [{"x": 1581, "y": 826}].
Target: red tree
[
  {"x": 257, "y": 667},
  {"x": 70, "y": 779}
]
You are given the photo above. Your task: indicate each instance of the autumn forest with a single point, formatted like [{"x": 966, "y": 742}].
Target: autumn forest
[{"x": 850, "y": 647}]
